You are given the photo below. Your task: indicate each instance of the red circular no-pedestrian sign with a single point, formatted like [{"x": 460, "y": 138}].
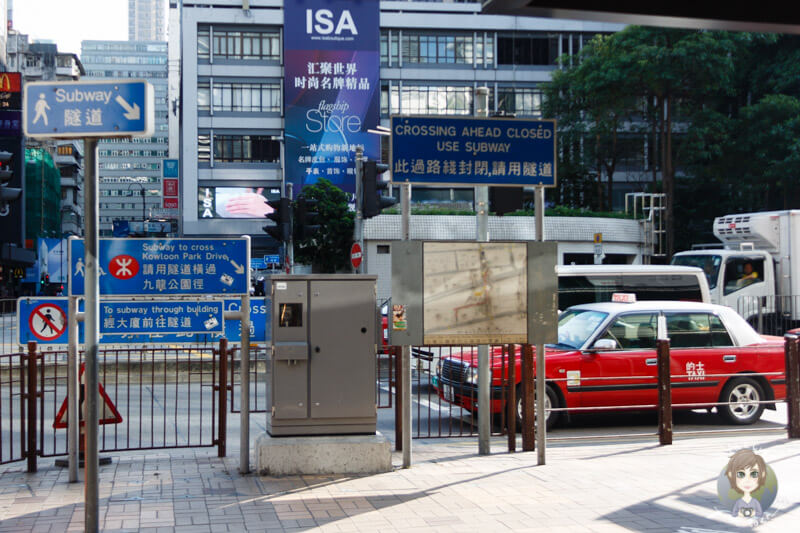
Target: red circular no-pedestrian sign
[
  {"x": 123, "y": 267},
  {"x": 47, "y": 322},
  {"x": 355, "y": 255}
]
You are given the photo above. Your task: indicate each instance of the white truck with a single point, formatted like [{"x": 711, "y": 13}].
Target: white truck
[{"x": 751, "y": 269}]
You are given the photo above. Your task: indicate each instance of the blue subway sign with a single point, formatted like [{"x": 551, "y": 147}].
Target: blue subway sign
[
  {"x": 161, "y": 317},
  {"x": 44, "y": 320},
  {"x": 473, "y": 151},
  {"x": 107, "y": 108},
  {"x": 148, "y": 267}
]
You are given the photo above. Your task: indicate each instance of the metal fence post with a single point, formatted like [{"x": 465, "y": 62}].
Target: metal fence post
[
  {"x": 31, "y": 408},
  {"x": 398, "y": 398},
  {"x": 511, "y": 350},
  {"x": 528, "y": 414},
  {"x": 664, "y": 393},
  {"x": 223, "y": 393},
  {"x": 792, "y": 352}
]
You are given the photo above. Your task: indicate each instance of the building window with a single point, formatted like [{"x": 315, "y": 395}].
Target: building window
[
  {"x": 239, "y": 148},
  {"x": 527, "y": 49},
  {"x": 430, "y": 100},
  {"x": 239, "y": 97},
  {"x": 236, "y": 44},
  {"x": 437, "y": 49},
  {"x": 521, "y": 101}
]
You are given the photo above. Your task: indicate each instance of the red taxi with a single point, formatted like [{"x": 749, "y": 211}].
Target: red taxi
[{"x": 606, "y": 357}]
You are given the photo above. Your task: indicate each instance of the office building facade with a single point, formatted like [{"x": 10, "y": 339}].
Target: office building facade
[
  {"x": 146, "y": 20},
  {"x": 432, "y": 57},
  {"x": 130, "y": 170}
]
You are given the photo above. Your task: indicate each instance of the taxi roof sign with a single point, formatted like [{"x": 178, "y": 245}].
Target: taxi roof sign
[{"x": 624, "y": 297}]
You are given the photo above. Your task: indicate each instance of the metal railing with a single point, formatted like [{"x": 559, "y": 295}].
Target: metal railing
[
  {"x": 8, "y": 327},
  {"x": 259, "y": 377},
  {"x": 770, "y": 315},
  {"x": 167, "y": 398},
  {"x": 13, "y": 383},
  {"x": 441, "y": 412}
]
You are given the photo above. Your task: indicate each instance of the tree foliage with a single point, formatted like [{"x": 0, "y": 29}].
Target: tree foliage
[
  {"x": 328, "y": 250},
  {"x": 717, "y": 110}
]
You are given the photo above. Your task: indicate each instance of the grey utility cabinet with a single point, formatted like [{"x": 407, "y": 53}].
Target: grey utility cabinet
[{"x": 323, "y": 355}]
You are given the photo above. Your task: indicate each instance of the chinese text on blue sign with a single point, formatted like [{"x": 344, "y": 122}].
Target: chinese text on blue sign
[
  {"x": 161, "y": 317},
  {"x": 108, "y": 108},
  {"x": 473, "y": 151},
  {"x": 165, "y": 266}
]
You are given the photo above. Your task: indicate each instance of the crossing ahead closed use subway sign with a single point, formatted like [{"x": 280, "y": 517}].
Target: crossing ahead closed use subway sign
[{"x": 473, "y": 151}]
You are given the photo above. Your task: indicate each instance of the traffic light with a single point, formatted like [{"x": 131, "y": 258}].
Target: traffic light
[
  {"x": 282, "y": 216},
  {"x": 7, "y": 194},
  {"x": 304, "y": 218},
  {"x": 372, "y": 201}
]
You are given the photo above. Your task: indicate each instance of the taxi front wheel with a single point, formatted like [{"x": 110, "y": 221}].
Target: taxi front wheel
[
  {"x": 742, "y": 397},
  {"x": 550, "y": 402}
]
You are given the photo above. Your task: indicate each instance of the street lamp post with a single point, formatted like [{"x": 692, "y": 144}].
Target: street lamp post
[{"x": 141, "y": 188}]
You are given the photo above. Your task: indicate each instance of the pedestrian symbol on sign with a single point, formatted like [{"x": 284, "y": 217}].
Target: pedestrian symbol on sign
[{"x": 47, "y": 322}]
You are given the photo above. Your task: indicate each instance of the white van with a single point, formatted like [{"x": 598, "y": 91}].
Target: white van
[{"x": 581, "y": 284}]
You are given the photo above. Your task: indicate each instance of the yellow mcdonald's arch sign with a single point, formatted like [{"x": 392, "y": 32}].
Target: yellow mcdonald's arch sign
[{"x": 10, "y": 82}]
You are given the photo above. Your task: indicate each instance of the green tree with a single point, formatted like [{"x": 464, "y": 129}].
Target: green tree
[
  {"x": 768, "y": 144},
  {"x": 680, "y": 71},
  {"x": 328, "y": 250},
  {"x": 593, "y": 100}
]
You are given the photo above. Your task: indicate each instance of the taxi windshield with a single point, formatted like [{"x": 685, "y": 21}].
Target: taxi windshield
[{"x": 576, "y": 326}]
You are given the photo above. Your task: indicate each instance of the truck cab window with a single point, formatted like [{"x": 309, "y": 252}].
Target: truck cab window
[{"x": 741, "y": 272}]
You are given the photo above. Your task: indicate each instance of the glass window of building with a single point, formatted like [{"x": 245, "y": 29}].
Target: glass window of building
[
  {"x": 239, "y": 97},
  {"x": 430, "y": 100},
  {"x": 521, "y": 101},
  {"x": 237, "y": 44}
]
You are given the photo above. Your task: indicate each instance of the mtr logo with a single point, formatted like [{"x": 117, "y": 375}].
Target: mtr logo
[{"x": 322, "y": 22}]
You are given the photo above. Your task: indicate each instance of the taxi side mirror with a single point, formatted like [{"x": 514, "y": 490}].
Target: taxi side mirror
[{"x": 604, "y": 344}]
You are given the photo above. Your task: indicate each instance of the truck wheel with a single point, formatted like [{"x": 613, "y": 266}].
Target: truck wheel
[
  {"x": 742, "y": 396},
  {"x": 550, "y": 402}
]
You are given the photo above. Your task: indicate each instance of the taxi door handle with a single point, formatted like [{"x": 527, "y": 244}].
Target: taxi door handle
[
  {"x": 651, "y": 362},
  {"x": 729, "y": 358}
]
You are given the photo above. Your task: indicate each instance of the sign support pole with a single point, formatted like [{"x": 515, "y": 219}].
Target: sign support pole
[
  {"x": 405, "y": 377},
  {"x": 541, "y": 424},
  {"x": 73, "y": 382},
  {"x": 290, "y": 244},
  {"x": 358, "y": 225},
  {"x": 482, "y": 235},
  {"x": 244, "y": 379},
  {"x": 91, "y": 331}
]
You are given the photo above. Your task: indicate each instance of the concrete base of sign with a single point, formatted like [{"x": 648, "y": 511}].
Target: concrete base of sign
[
  {"x": 346, "y": 454},
  {"x": 64, "y": 463}
]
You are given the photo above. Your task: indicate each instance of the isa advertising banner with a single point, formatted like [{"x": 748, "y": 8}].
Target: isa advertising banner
[{"x": 332, "y": 89}]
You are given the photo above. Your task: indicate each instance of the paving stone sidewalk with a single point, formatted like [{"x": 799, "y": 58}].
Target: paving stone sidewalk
[{"x": 607, "y": 486}]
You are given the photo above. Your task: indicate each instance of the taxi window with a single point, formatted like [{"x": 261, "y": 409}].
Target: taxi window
[
  {"x": 689, "y": 330},
  {"x": 633, "y": 332},
  {"x": 719, "y": 335},
  {"x": 696, "y": 330}
]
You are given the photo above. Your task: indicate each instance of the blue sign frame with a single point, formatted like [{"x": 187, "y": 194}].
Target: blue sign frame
[
  {"x": 75, "y": 109},
  {"x": 470, "y": 151},
  {"x": 260, "y": 330},
  {"x": 161, "y": 267}
]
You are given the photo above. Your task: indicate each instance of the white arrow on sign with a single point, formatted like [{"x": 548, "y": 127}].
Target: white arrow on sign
[
  {"x": 239, "y": 268},
  {"x": 132, "y": 112}
]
